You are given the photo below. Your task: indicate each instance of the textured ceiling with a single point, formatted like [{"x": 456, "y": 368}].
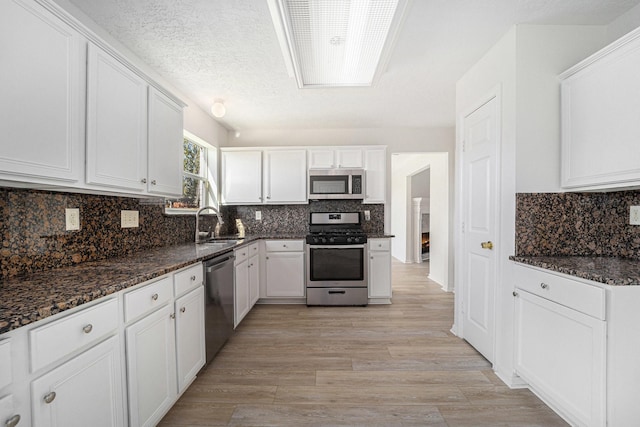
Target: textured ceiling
[{"x": 228, "y": 49}]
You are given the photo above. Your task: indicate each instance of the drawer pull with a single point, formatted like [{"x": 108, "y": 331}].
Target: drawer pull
[
  {"x": 514, "y": 293},
  {"x": 372, "y": 257},
  {"x": 153, "y": 182},
  {"x": 154, "y": 297},
  {"x": 183, "y": 309},
  {"x": 13, "y": 421},
  {"x": 284, "y": 246},
  {"x": 50, "y": 397},
  {"x": 193, "y": 278},
  {"x": 172, "y": 316},
  {"x": 337, "y": 292},
  {"x": 143, "y": 180},
  {"x": 544, "y": 286},
  {"x": 87, "y": 329}
]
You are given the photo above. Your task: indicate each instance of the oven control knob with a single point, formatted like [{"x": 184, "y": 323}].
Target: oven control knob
[
  {"x": 331, "y": 240},
  {"x": 349, "y": 239}
]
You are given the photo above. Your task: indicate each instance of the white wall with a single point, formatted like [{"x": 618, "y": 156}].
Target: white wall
[
  {"x": 421, "y": 184},
  {"x": 543, "y": 52},
  {"x": 623, "y": 24},
  {"x": 522, "y": 68},
  {"x": 403, "y": 167}
]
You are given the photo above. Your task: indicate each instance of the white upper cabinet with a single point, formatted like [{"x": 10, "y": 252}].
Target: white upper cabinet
[
  {"x": 285, "y": 176},
  {"x": 600, "y": 126},
  {"x": 41, "y": 107},
  {"x": 375, "y": 165},
  {"x": 165, "y": 145},
  {"x": 241, "y": 177},
  {"x": 116, "y": 123},
  {"x": 323, "y": 158}
]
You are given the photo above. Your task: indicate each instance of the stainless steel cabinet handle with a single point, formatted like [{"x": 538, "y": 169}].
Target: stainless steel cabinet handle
[
  {"x": 87, "y": 329},
  {"x": 268, "y": 197},
  {"x": 13, "y": 421},
  {"x": 515, "y": 294},
  {"x": 284, "y": 246},
  {"x": 153, "y": 182},
  {"x": 544, "y": 286},
  {"x": 50, "y": 397},
  {"x": 172, "y": 315},
  {"x": 143, "y": 180},
  {"x": 266, "y": 257},
  {"x": 371, "y": 257},
  {"x": 154, "y": 297},
  {"x": 183, "y": 309},
  {"x": 193, "y": 278}
]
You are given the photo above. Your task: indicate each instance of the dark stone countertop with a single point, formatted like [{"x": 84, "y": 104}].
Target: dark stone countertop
[
  {"x": 27, "y": 299},
  {"x": 610, "y": 271}
]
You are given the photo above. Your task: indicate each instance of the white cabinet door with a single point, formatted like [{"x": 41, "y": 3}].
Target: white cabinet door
[
  {"x": 254, "y": 279},
  {"x": 560, "y": 352},
  {"x": 85, "y": 391},
  {"x": 241, "y": 295},
  {"x": 8, "y": 415},
  {"x": 165, "y": 145},
  {"x": 349, "y": 158},
  {"x": 375, "y": 165},
  {"x": 190, "y": 343},
  {"x": 285, "y": 176},
  {"x": 321, "y": 158},
  {"x": 41, "y": 106},
  {"x": 600, "y": 126},
  {"x": 379, "y": 269},
  {"x": 116, "y": 123},
  {"x": 151, "y": 367},
  {"x": 241, "y": 177},
  {"x": 285, "y": 274}
]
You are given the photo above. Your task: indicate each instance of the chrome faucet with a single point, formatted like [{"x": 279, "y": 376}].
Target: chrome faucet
[{"x": 220, "y": 222}]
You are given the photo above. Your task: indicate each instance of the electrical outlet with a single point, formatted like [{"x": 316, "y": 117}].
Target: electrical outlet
[
  {"x": 72, "y": 219},
  {"x": 367, "y": 215},
  {"x": 634, "y": 215},
  {"x": 258, "y": 215},
  {"x": 129, "y": 219}
]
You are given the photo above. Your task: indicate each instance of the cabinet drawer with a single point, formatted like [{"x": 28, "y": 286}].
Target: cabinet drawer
[
  {"x": 147, "y": 298},
  {"x": 62, "y": 337},
  {"x": 284, "y": 245},
  {"x": 379, "y": 244},
  {"x": 579, "y": 296},
  {"x": 188, "y": 279},
  {"x": 5, "y": 363},
  {"x": 241, "y": 254}
]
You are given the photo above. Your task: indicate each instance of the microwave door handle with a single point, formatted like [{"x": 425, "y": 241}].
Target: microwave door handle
[{"x": 350, "y": 189}]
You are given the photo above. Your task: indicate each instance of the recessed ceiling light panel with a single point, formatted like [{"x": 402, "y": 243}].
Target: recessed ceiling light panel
[{"x": 336, "y": 42}]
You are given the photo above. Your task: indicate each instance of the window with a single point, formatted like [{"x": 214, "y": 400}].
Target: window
[{"x": 199, "y": 177}]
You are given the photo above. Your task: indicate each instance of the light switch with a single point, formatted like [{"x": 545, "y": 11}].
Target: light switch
[
  {"x": 367, "y": 215},
  {"x": 72, "y": 219},
  {"x": 634, "y": 215},
  {"x": 258, "y": 215}
]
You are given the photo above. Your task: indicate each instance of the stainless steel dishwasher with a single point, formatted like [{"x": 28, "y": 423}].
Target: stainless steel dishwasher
[{"x": 218, "y": 315}]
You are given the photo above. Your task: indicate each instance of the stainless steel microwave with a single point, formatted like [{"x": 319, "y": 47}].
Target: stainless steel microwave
[{"x": 336, "y": 184}]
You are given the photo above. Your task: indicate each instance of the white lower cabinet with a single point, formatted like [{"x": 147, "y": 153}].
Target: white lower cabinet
[
  {"x": 379, "y": 270},
  {"x": 241, "y": 291},
  {"x": 151, "y": 367},
  {"x": 254, "y": 275},
  {"x": 284, "y": 268},
  {"x": 8, "y": 415},
  {"x": 578, "y": 346},
  {"x": 190, "y": 344},
  {"x": 86, "y": 390}
]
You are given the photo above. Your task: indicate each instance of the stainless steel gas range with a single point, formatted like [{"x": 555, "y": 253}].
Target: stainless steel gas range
[{"x": 336, "y": 259}]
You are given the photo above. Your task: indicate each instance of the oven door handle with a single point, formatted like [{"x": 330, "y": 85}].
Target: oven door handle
[{"x": 361, "y": 246}]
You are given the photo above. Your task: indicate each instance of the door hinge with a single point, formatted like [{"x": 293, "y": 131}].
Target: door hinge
[
  {"x": 464, "y": 145},
  {"x": 463, "y": 229}
]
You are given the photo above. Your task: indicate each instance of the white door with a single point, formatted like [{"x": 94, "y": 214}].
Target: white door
[
  {"x": 241, "y": 177},
  {"x": 479, "y": 228},
  {"x": 190, "y": 342},
  {"x": 285, "y": 176}
]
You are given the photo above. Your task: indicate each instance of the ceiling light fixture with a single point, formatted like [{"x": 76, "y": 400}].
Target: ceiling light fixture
[
  {"x": 218, "y": 109},
  {"x": 336, "y": 43}
]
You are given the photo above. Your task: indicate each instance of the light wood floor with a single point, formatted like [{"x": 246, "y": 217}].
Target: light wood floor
[{"x": 370, "y": 366}]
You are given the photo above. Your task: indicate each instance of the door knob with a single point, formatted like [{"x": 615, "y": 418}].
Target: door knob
[{"x": 487, "y": 245}]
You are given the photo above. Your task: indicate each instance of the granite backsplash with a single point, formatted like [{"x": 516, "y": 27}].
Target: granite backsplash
[
  {"x": 577, "y": 224},
  {"x": 34, "y": 237}
]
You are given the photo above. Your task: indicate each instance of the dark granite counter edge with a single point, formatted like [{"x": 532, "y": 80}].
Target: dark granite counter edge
[
  {"x": 10, "y": 321},
  {"x": 578, "y": 269}
]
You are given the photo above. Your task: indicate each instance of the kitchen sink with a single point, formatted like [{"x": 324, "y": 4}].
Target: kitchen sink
[{"x": 218, "y": 244}]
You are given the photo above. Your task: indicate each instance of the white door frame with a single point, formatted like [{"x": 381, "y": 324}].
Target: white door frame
[{"x": 460, "y": 246}]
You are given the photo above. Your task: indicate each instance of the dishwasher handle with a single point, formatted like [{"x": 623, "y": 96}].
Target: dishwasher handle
[{"x": 218, "y": 263}]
